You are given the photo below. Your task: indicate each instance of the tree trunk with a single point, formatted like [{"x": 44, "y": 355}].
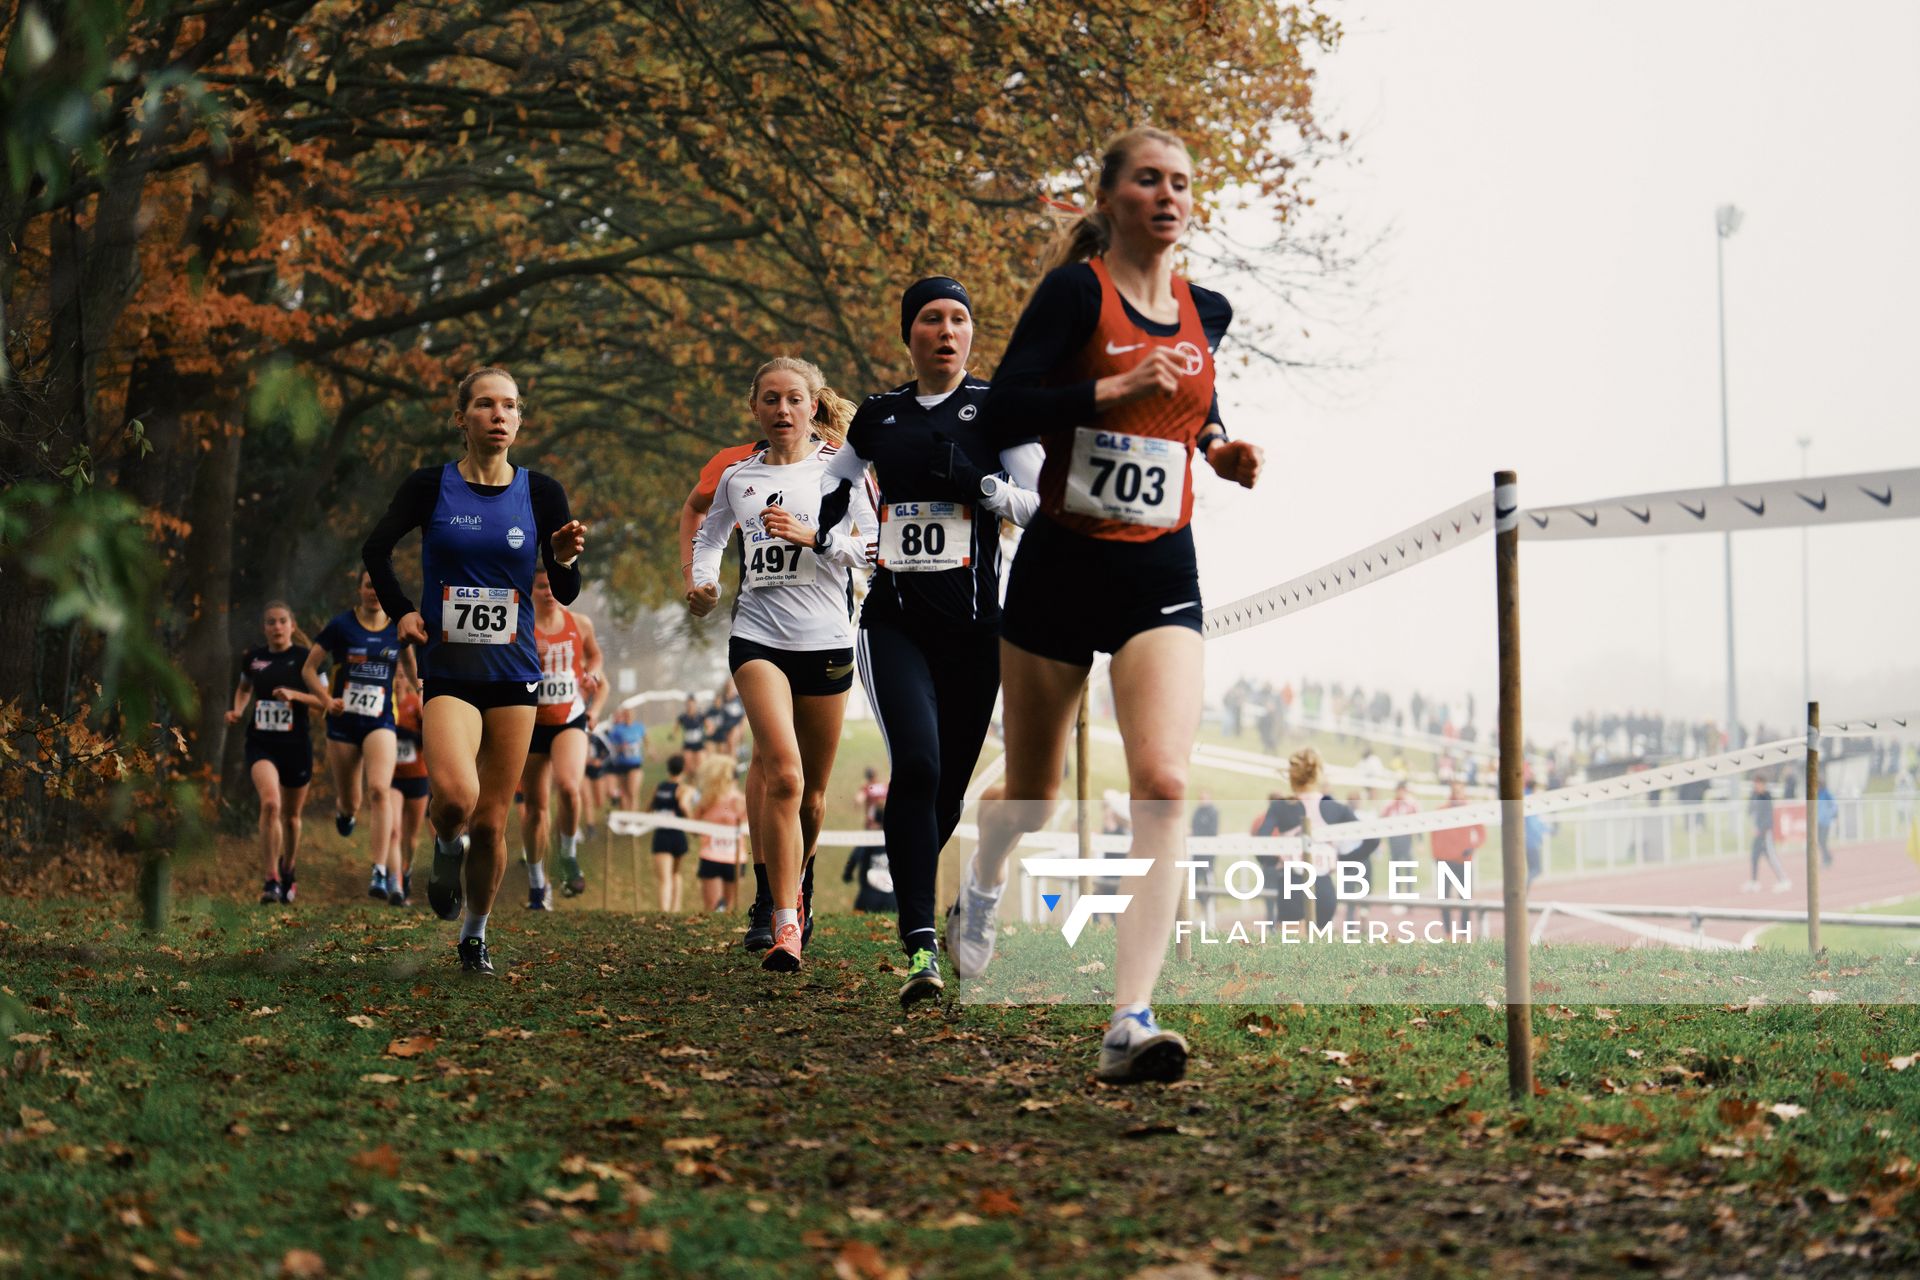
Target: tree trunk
[{"x": 208, "y": 568}]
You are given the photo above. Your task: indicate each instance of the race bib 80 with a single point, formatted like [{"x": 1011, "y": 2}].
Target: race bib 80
[
  {"x": 271, "y": 716},
  {"x": 925, "y": 537},
  {"x": 363, "y": 699},
  {"x": 1134, "y": 479},
  {"x": 479, "y": 615},
  {"x": 406, "y": 751},
  {"x": 775, "y": 562}
]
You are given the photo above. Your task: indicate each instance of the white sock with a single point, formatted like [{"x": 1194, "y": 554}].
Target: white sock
[
  {"x": 984, "y": 890},
  {"x": 570, "y": 845},
  {"x": 783, "y": 916},
  {"x": 537, "y": 874},
  {"x": 445, "y": 846},
  {"x": 473, "y": 927}
]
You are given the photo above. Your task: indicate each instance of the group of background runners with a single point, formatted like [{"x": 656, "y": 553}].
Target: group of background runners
[{"x": 1085, "y": 436}]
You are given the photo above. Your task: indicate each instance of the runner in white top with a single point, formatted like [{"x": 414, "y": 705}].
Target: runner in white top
[
  {"x": 795, "y": 594},
  {"x": 791, "y": 648}
]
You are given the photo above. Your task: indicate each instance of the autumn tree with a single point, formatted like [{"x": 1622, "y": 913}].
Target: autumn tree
[{"x": 282, "y": 229}]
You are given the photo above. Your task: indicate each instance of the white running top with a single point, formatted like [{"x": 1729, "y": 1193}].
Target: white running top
[{"x": 801, "y": 616}]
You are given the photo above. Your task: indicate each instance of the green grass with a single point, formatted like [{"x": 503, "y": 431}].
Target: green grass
[
  {"x": 1860, "y": 939},
  {"x": 633, "y": 1095}
]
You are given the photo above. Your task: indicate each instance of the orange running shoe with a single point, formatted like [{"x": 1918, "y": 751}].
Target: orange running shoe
[{"x": 784, "y": 957}]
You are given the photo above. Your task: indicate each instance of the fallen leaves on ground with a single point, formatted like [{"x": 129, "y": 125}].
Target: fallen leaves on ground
[{"x": 411, "y": 1046}]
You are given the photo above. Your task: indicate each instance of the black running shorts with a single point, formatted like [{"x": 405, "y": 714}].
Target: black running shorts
[
  {"x": 1070, "y": 596},
  {"x": 813, "y": 673},
  {"x": 292, "y": 761},
  {"x": 484, "y": 695},
  {"x": 544, "y": 734}
]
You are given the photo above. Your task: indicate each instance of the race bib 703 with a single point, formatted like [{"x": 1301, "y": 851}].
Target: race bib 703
[{"x": 1134, "y": 479}]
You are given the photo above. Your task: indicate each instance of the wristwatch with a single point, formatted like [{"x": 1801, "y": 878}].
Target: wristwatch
[
  {"x": 990, "y": 487},
  {"x": 821, "y": 539}
]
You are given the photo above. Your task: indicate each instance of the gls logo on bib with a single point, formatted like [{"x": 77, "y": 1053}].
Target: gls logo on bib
[{"x": 516, "y": 537}]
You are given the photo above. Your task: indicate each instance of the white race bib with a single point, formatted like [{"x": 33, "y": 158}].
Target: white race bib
[
  {"x": 363, "y": 699},
  {"x": 270, "y": 716},
  {"x": 1135, "y": 479},
  {"x": 775, "y": 562},
  {"x": 406, "y": 751},
  {"x": 480, "y": 615},
  {"x": 925, "y": 537},
  {"x": 557, "y": 688}
]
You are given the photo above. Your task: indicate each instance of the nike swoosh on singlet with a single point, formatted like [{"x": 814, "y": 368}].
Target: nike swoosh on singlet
[
  {"x": 1120, "y": 351},
  {"x": 835, "y": 672},
  {"x": 532, "y": 685},
  {"x": 1175, "y": 608}
]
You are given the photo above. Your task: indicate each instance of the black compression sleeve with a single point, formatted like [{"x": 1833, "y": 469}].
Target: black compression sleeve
[
  {"x": 550, "y": 511},
  {"x": 412, "y": 507},
  {"x": 1056, "y": 324}
]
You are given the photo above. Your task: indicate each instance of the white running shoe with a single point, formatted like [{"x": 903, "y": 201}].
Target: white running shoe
[
  {"x": 1751, "y": 886},
  {"x": 1781, "y": 886},
  {"x": 1136, "y": 1049},
  {"x": 971, "y": 927}
]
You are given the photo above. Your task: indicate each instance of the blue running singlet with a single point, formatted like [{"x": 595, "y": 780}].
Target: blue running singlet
[
  {"x": 364, "y": 662},
  {"x": 478, "y": 555}
]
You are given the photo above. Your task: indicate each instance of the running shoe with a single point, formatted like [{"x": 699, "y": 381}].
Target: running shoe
[
  {"x": 1137, "y": 1050},
  {"x": 539, "y": 899},
  {"x": 270, "y": 893},
  {"x": 972, "y": 927},
  {"x": 406, "y": 884},
  {"x": 474, "y": 957},
  {"x": 923, "y": 979},
  {"x": 343, "y": 823},
  {"x": 572, "y": 881},
  {"x": 288, "y": 889},
  {"x": 377, "y": 887},
  {"x": 784, "y": 955},
  {"x": 443, "y": 888},
  {"x": 759, "y": 925},
  {"x": 1781, "y": 886},
  {"x": 396, "y": 899}
]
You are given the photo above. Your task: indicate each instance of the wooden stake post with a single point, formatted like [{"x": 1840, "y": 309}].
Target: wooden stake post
[
  {"x": 1082, "y": 779},
  {"x": 1513, "y": 827},
  {"x": 1813, "y": 827}
]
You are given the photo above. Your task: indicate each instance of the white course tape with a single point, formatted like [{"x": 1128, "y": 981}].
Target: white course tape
[
  {"x": 1873, "y": 726},
  {"x": 1777, "y": 504},
  {"x": 1389, "y": 556}
]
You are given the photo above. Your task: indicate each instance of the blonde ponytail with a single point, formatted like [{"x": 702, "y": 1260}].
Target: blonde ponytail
[
  {"x": 1090, "y": 234},
  {"x": 833, "y": 412},
  {"x": 1303, "y": 769}
]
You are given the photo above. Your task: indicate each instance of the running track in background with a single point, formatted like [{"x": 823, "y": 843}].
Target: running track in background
[{"x": 1862, "y": 875}]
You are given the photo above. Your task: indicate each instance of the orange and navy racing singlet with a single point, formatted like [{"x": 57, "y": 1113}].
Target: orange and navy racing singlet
[
  {"x": 410, "y": 757},
  {"x": 561, "y": 652},
  {"x": 1128, "y": 476}
]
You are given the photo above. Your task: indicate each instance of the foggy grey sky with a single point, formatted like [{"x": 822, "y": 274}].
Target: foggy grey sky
[{"x": 1544, "y": 300}]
